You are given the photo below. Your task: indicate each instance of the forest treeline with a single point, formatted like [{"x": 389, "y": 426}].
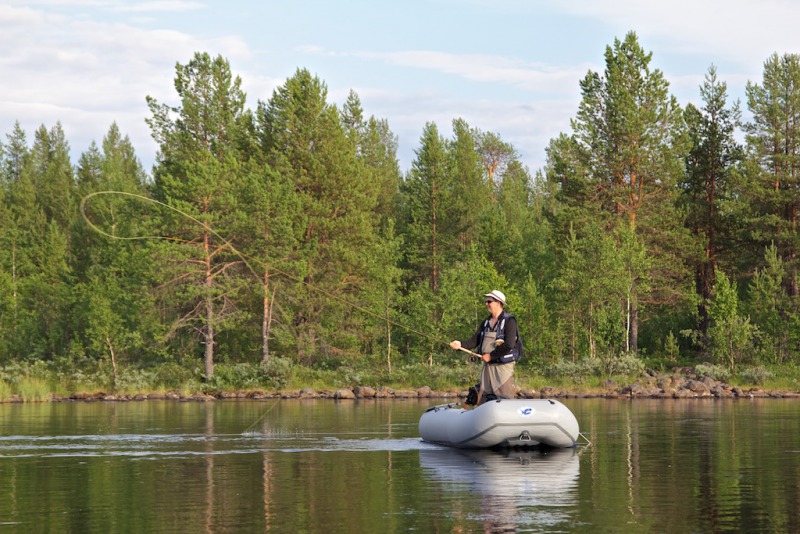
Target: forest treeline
[{"x": 286, "y": 230}]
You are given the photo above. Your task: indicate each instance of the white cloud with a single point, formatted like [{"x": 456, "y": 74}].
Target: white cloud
[
  {"x": 487, "y": 68},
  {"x": 739, "y": 31},
  {"x": 159, "y": 6},
  {"x": 87, "y": 74},
  {"x": 87, "y": 63},
  {"x": 115, "y": 5},
  {"x": 528, "y": 125}
]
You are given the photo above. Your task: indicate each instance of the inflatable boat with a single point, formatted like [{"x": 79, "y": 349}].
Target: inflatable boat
[{"x": 501, "y": 423}]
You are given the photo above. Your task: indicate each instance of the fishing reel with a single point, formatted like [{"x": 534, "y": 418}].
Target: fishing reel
[{"x": 472, "y": 396}]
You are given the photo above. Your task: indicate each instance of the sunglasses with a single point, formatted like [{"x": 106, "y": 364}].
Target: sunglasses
[{"x": 490, "y": 301}]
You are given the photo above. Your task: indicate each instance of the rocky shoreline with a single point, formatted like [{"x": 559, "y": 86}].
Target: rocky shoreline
[{"x": 678, "y": 385}]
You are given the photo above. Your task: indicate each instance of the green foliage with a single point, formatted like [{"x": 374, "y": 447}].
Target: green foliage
[
  {"x": 297, "y": 251},
  {"x": 713, "y": 371},
  {"x": 773, "y": 310},
  {"x": 578, "y": 372},
  {"x": 419, "y": 374},
  {"x": 756, "y": 375},
  {"x": 625, "y": 365},
  {"x": 276, "y": 374},
  {"x": 731, "y": 335},
  {"x": 33, "y": 389},
  {"x": 133, "y": 380},
  {"x": 582, "y": 371},
  {"x": 6, "y": 391},
  {"x": 671, "y": 348}
]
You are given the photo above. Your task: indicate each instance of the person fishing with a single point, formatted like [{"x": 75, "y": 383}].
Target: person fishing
[{"x": 497, "y": 339}]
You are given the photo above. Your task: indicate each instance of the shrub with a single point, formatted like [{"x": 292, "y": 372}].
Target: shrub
[
  {"x": 577, "y": 372},
  {"x": 135, "y": 380},
  {"x": 624, "y": 365},
  {"x": 671, "y": 348},
  {"x": 278, "y": 372},
  {"x": 715, "y": 372},
  {"x": 756, "y": 375},
  {"x": 238, "y": 376},
  {"x": 172, "y": 375}
]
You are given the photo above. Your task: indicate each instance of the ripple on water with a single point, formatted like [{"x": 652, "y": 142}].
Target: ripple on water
[{"x": 185, "y": 445}]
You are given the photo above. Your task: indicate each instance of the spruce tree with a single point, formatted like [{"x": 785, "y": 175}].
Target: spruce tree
[
  {"x": 773, "y": 138},
  {"x": 114, "y": 275},
  {"x": 708, "y": 189}
]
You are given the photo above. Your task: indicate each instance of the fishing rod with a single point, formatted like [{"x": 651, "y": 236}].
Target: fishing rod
[{"x": 473, "y": 357}]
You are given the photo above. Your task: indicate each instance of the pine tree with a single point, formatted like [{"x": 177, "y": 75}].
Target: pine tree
[
  {"x": 305, "y": 140},
  {"x": 197, "y": 173},
  {"x": 376, "y": 150},
  {"x": 620, "y": 167},
  {"x": 496, "y": 156},
  {"x": 52, "y": 174},
  {"x": 36, "y": 243}
]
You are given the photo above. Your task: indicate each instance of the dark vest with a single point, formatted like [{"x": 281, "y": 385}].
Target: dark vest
[{"x": 499, "y": 326}]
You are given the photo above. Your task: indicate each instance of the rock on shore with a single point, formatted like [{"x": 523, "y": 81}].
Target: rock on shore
[{"x": 682, "y": 383}]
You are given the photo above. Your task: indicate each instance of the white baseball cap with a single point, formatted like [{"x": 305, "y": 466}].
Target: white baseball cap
[{"x": 496, "y": 295}]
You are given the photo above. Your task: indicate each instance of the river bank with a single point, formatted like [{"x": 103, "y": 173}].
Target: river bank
[
  {"x": 450, "y": 384},
  {"x": 682, "y": 385}
]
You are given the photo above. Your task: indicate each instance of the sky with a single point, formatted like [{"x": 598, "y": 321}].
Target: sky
[{"x": 511, "y": 67}]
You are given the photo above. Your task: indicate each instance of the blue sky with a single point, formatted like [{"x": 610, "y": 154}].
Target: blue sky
[{"x": 506, "y": 66}]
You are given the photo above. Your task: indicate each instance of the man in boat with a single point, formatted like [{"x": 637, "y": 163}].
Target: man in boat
[{"x": 497, "y": 339}]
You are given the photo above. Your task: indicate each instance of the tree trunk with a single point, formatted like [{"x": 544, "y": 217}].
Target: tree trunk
[
  {"x": 209, "y": 340},
  {"x": 634, "y": 346},
  {"x": 209, "y": 329},
  {"x": 113, "y": 359},
  {"x": 388, "y": 337},
  {"x": 266, "y": 320}
]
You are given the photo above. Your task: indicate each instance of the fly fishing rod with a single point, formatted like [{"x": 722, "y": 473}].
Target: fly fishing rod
[{"x": 472, "y": 356}]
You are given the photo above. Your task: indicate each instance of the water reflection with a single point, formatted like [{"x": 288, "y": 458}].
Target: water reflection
[
  {"x": 514, "y": 487},
  {"x": 660, "y": 466}
]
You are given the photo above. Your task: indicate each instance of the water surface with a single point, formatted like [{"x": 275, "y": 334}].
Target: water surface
[{"x": 358, "y": 466}]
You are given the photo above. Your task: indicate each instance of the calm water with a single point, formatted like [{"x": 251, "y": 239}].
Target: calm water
[{"x": 326, "y": 466}]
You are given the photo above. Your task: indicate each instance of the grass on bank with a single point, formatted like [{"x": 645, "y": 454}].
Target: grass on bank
[{"x": 41, "y": 381}]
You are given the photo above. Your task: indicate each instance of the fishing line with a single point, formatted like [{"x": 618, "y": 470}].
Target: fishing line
[
  {"x": 261, "y": 417},
  {"x": 244, "y": 257},
  {"x": 472, "y": 357}
]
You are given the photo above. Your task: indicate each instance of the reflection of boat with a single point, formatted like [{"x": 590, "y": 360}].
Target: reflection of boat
[
  {"x": 517, "y": 478},
  {"x": 499, "y": 423}
]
